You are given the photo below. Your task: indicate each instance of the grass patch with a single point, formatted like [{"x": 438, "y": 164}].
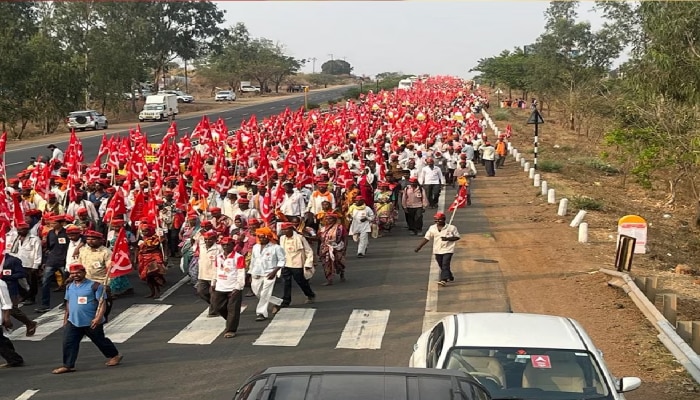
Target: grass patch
[
  {"x": 586, "y": 203},
  {"x": 501, "y": 115},
  {"x": 549, "y": 166},
  {"x": 311, "y": 106},
  {"x": 601, "y": 166}
]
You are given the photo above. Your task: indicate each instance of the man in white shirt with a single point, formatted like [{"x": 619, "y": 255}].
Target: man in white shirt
[
  {"x": 56, "y": 153},
  {"x": 444, "y": 238},
  {"x": 27, "y": 248},
  {"x": 432, "y": 179},
  {"x": 209, "y": 252},
  {"x": 227, "y": 286},
  {"x": 293, "y": 204},
  {"x": 7, "y": 349},
  {"x": 267, "y": 258},
  {"x": 299, "y": 258}
]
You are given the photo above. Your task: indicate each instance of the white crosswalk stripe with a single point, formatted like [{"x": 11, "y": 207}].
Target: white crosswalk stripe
[
  {"x": 131, "y": 321},
  {"x": 203, "y": 330},
  {"x": 47, "y": 324},
  {"x": 364, "y": 330},
  {"x": 287, "y": 327}
]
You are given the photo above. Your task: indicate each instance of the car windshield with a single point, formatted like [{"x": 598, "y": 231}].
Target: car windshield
[
  {"x": 529, "y": 373},
  {"x": 153, "y": 107},
  {"x": 79, "y": 114}
]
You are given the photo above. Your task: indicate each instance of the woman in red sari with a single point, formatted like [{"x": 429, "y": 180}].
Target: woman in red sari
[
  {"x": 150, "y": 260},
  {"x": 365, "y": 186}
]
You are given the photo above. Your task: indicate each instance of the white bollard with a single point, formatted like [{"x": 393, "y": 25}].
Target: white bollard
[
  {"x": 510, "y": 146},
  {"x": 522, "y": 161},
  {"x": 526, "y": 167},
  {"x": 531, "y": 173},
  {"x": 543, "y": 185},
  {"x": 552, "y": 199},
  {"x": 583, "y": 232},
  {"x": 578, "y": 218},
  {"x": 537, "y": 180},
  {"x": 563, "y": 204},
  {"x": 517, "y": 157}
]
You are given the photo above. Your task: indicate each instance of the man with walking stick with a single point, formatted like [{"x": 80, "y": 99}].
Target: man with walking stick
[{"x": 444, "y": 237}]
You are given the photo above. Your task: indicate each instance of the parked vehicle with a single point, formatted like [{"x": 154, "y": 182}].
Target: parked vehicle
[
  {"x": 159, "y": 107},
  {"x": 87, "y": 119},
  {"x": 527, "y": 356},
  {"x": 225, "y": 95},
  {"x": 250, "y": 89},
  {"x": 360, "y": 383},
  {"x": 182, "y": 97}
]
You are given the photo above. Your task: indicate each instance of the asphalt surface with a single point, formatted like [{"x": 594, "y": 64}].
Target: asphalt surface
[
  {"x": 18, "y": 158},
  {"x": 392, "y": 277}
]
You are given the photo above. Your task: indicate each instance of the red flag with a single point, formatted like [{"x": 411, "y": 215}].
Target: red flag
[
  {"x": 460, "y": 200},
  {"x": 121, "y": 263},
  {"x": 138, "y": 210},
  {"x": 4, "y": 227},
  {"x": 116, "y": 207}
]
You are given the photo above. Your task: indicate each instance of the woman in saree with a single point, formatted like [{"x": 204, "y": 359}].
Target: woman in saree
[
  {"x": 351, "y": 191},
  {"x": 334, "y": 237},
  {"x": 384, "y": 207},
  {"x": 187, "y": 243},
  {"x": 150, "y": 260}
]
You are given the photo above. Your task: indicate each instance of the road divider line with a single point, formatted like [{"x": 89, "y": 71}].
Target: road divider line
[
  {"x": 431, "y": 297},
  {"x": 287, "y": 328},
  {"x": 202, "y": 330},
  {"x": 132, "y": 320},
  {"x": 173, "y": 288},
  {"x": 47, "y": 324},
  {"x": 364, "y": 330},
  {"x": 15, "y": 163},
  {"x": 27, "y": 394}
]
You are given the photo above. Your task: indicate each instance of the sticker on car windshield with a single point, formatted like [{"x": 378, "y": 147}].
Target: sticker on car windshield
[{"x": 540, "y": 361}]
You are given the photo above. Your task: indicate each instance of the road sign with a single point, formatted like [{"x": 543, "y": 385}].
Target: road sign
[
  {"x": 535, "y": 118},
  {"x": 498, "y": 91},
  {"x": 540, "y": 361}
]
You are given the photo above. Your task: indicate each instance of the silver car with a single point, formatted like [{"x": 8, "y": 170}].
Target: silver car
[
  {"x": 88, "y": 119},
  {"x": 225, "y": 95}
]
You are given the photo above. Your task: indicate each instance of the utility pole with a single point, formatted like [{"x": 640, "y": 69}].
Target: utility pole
[
  {"x": 313, "y": 65},
  {"x": 332, "y": 64},
  {"x": 186, "y": 80}
]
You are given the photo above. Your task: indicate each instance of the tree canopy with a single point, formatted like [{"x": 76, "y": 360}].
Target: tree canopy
[{"x": 650, "y": 105}]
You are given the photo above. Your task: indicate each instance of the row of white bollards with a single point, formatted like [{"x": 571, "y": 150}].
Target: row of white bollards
[
  {"x": 562, "y": 210},
  {"x": 542, "y": 184}
]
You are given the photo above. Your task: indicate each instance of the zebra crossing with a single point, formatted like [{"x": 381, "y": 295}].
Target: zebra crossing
[{"x": 364, "y": 329}]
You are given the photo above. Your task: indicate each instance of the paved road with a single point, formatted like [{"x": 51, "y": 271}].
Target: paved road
[
  {"x": 372, "y": 319},
  {"x": 17, "y": 158}
]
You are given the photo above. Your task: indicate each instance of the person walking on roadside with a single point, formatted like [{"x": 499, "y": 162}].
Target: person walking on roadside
[
  {"x": 266, "y": 260},
  {"x": 501, "y": 152},
  {"x": 27, "y": 247},
  {"x": 208, "y": 254},
  {"x": 414, "y": 202},
  {"x": 12, "y": 274},
  {"x": 7, "y": 349},
  {"x": 227, "y": 286},
  {"x": 54, "y": 259},
  {"x": 361, "y": 217},
  {"x": 299, "y": 258},
  {"x": 431, "y": 177},
  {"x": 488, "y": 155},
  {"x": 84, "y": 316},
  {"x": 444, "y": 238}
]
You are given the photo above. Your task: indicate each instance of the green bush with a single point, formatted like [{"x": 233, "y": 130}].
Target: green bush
[
  {"x": 587, "y": 203},
  {"x": 549, "y": 166},
  {"x": 598, "y": 164},
  {"x": 501, "y": 115},
  {"x": 312, "y": 106}
]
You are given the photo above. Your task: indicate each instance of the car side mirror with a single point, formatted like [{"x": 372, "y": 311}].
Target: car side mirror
[{"x": 628, "y": 384}]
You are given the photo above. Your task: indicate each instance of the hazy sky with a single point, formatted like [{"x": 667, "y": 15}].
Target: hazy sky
[{"x": 432, "y": 37}]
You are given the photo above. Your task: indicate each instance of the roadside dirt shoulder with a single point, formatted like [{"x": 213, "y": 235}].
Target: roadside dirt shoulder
[{"x": 547, "y": 271}]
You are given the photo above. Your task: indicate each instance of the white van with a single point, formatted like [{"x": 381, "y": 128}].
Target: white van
[
  {"x": 159, "y": 107},
  {"x": 405, "y": 84}
]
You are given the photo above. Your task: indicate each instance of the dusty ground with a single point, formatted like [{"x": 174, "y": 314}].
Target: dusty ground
[{"x": 548, "y": 271}]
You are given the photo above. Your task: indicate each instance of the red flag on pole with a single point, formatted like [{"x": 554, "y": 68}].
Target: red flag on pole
[
  {"x": 460, "y": 200},
  {"x": 121, "y": 263}
]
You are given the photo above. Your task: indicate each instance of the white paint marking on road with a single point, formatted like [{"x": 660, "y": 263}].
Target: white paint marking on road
[
  {"x": 173, "y": 288},
  {"x": 15, "y": 163},
  {"x": 227, "y": 118},
  {"x": 202, "y": 330},
  {"x": 287, "y": 328},
  {"x": 246, "y": 114},
  {"x": 47, "y": 324},
  {"x": 272, "y": 108},
  {"x": 132, "y": 320},
  {"x": 154, "y": 135},
  {"x": 431, "y": 297},
  {"x": 364, "y": 330},
  {"x": 27, "y": 394}
]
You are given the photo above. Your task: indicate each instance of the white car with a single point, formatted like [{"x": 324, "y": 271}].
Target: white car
[
  {"x": 87, "y": 119},
  {"x": 225, "y": 95},
  {"x": 521, "y": 356},
  {"x": 250, "y": 89},
  {"x": 182, "y": 97}
]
